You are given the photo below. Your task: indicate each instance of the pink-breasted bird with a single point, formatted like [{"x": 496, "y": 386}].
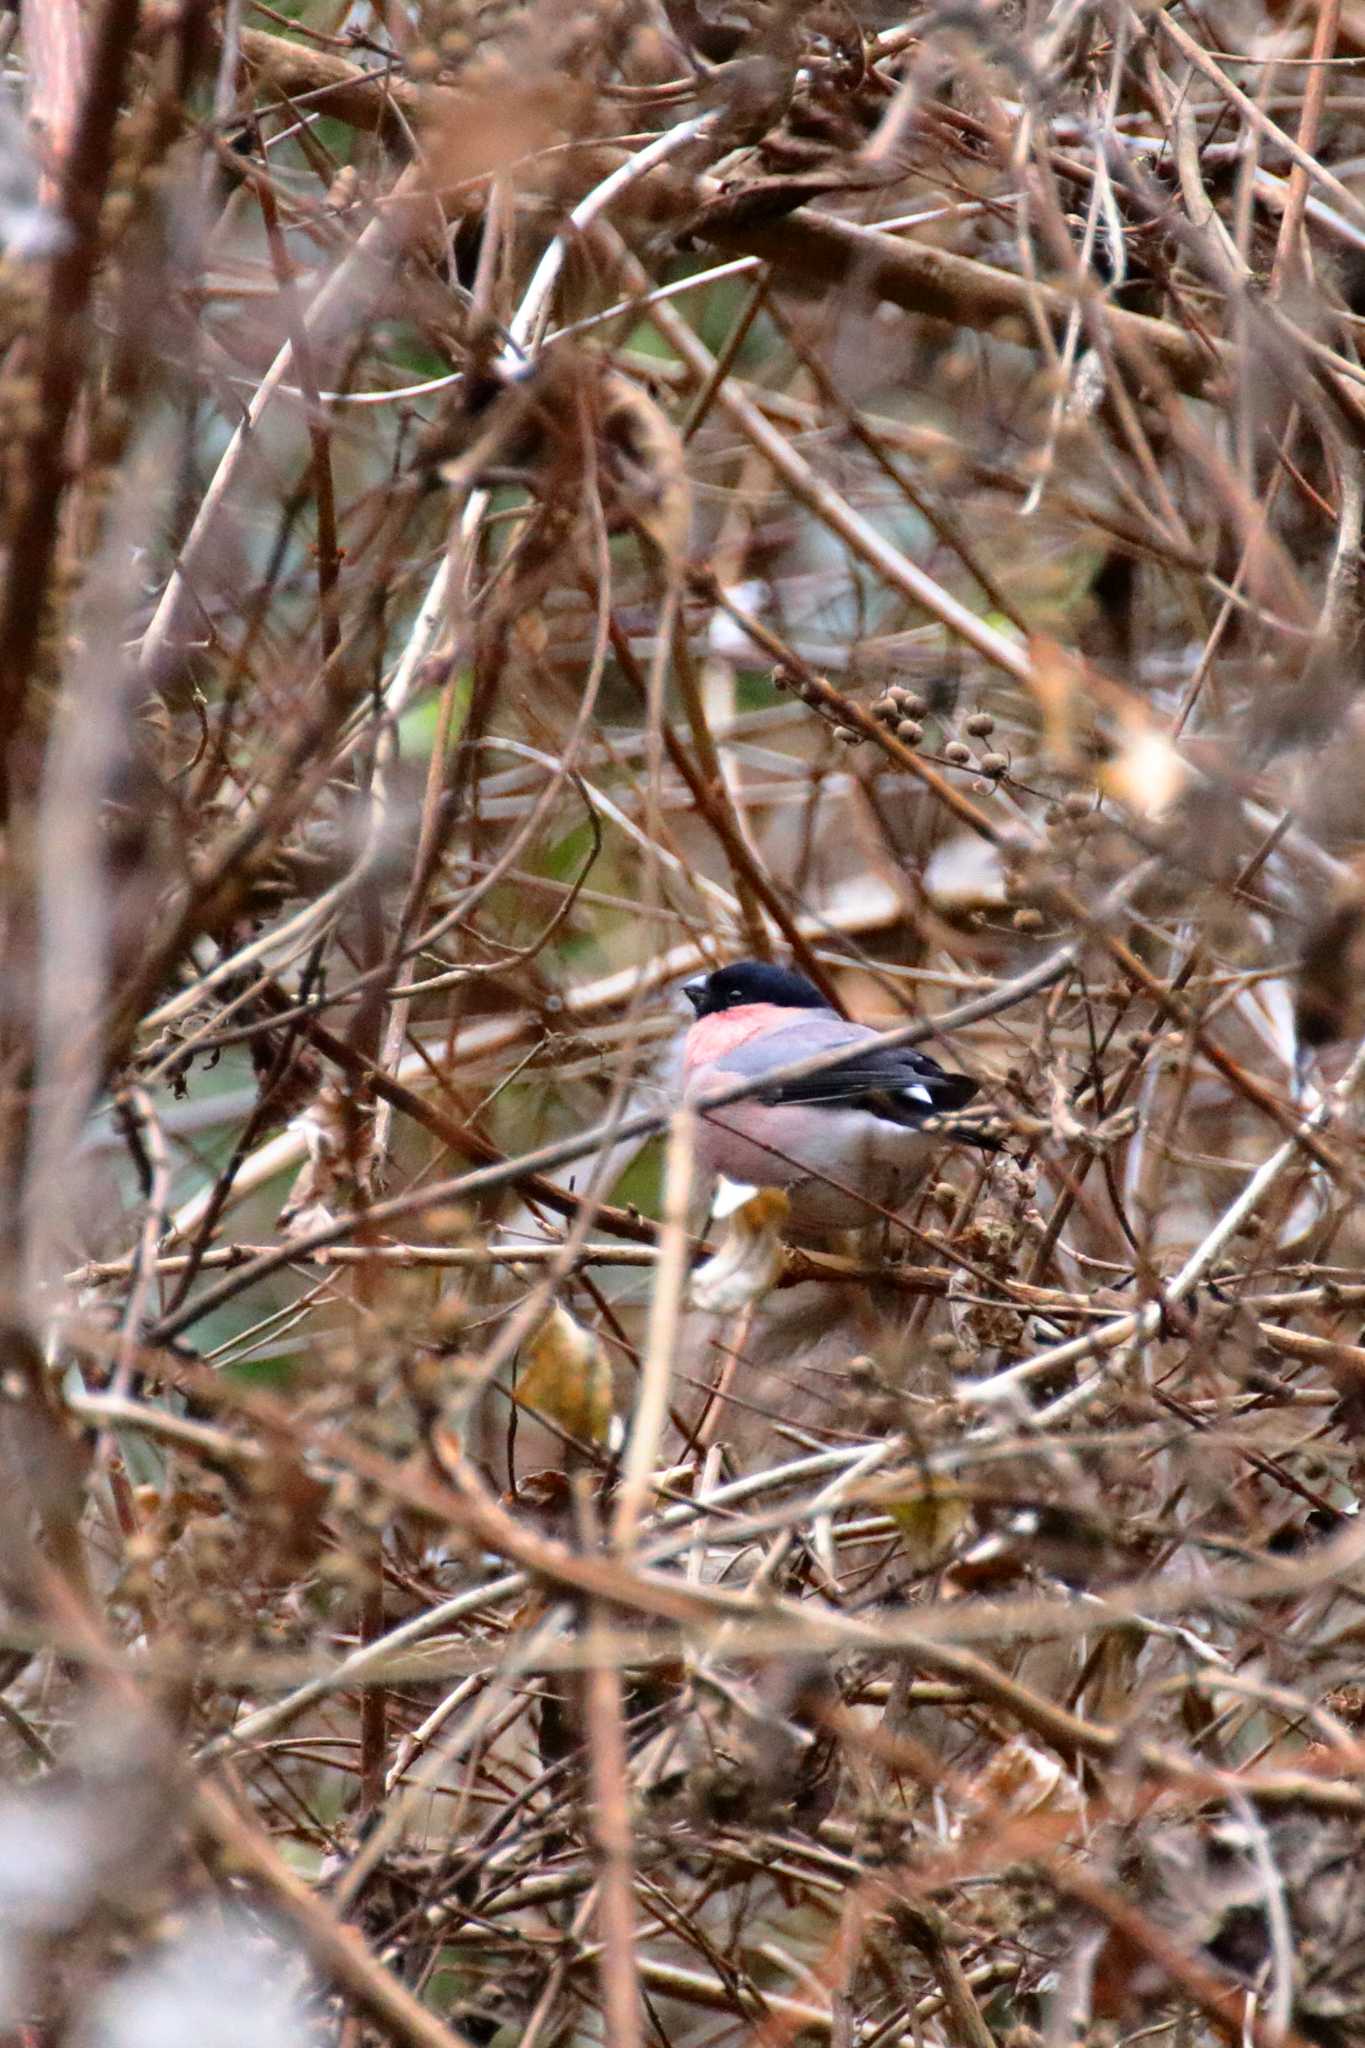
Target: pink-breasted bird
[{"x": 842, "y": 1143}]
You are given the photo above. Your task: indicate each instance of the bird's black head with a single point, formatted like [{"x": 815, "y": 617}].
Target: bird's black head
[{"x": 752, "y": 981}]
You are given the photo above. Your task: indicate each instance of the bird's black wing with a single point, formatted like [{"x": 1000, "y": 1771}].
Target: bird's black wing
[{"x": 903, "y": 1086}]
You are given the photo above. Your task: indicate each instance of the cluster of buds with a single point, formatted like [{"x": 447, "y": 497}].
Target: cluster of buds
[
  {"x": 903, "y": 713},
  {"x": 980, "y": 725},
  {"x": 817, "y": 694}
]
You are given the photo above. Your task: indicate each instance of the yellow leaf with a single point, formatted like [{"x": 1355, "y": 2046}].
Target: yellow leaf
[
  {"x": 750, "y": 1256},
  {"x": 1144, "y": 772},
  {"x": 1054, "y": 678},
  {"x": 930, "y": 1521},
  {"x": 1094, "y": 725},
  {"x": 567, "y": 1378}
]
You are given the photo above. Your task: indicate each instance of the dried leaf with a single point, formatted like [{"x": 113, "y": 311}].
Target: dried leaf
[
  {"x": 750, "y": 1257},
  {"x": 567, "y": 1378},
  {"x": 1020, "y": 1780},
  {"x": 644, "y": 458},
  {"x": 1087, "y": 387},
  {"x": 336, "y": 1172},
  {"x": 1067, "y": 1127}
]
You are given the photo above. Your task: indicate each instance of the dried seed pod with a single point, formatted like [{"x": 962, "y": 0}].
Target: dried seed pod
[
  {"x": 910, "y": 731},
  {"x": 957, "y": 753},
  {"x": 644, "y": 459},
  {"x": 980, "y": 725},
  {"x": 994, "y": 764}
]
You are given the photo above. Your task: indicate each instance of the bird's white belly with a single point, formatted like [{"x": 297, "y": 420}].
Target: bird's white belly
[{"x": 838, "y": 1167}]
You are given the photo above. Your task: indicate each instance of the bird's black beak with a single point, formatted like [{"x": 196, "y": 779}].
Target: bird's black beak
[{"x": 695, "y": 991}]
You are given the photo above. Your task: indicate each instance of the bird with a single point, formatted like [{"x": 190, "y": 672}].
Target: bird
[{"x": 843, "y": 1143}]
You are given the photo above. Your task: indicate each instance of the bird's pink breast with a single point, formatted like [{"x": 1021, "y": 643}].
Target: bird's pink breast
[{"x": 710, "y": 1038}]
